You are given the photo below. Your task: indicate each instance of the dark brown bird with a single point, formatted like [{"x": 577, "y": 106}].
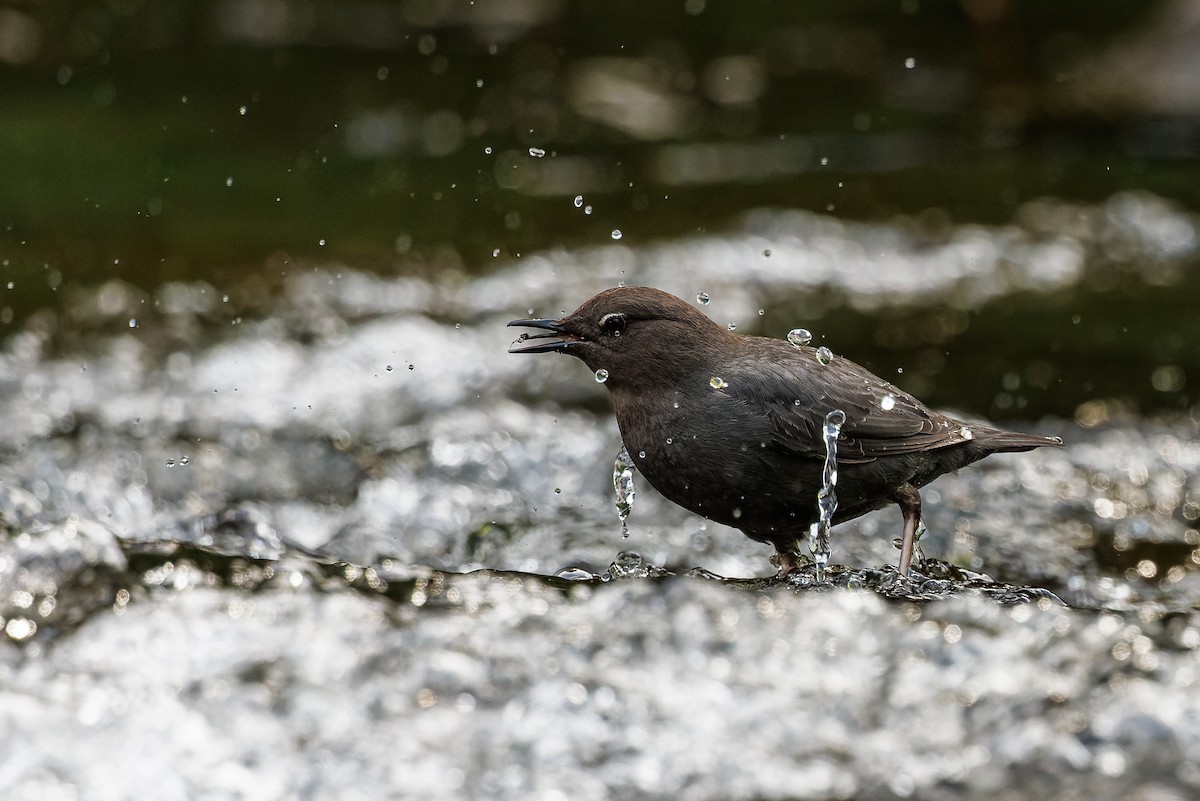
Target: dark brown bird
[{"x": 730, "y": 426}]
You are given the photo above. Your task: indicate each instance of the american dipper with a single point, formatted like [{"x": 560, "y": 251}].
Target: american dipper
[{"x": 730, "y": 426}]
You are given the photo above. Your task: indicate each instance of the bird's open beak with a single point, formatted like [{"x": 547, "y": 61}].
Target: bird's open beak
[{"x": 557, "y": 339}]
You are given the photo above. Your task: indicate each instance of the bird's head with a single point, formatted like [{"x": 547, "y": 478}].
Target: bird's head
[{"x": 627, "y": 331}]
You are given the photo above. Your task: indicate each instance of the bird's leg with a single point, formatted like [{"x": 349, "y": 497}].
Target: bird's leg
[{"x": 909, "y": 501}]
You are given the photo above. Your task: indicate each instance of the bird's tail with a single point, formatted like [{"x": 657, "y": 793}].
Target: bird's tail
[{"x": 1000, "y": 441}]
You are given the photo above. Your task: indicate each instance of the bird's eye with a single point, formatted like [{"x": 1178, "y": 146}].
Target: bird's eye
[{"x": 612, "y": 324}]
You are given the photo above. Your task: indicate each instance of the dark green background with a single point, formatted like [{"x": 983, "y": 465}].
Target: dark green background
[{"x": 123, "y": 122}]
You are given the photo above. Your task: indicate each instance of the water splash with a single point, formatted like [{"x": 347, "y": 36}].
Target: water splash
[
  {"x": 631, "y": 565},
  {"x": 799, "y": 336},
  {"x": 818, "y": 533},
  {"x": 623, "y": 470}
]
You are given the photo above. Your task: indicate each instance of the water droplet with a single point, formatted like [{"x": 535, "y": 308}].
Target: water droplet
[
  {"x": 641, "y": 454},
  {"x": 242, "y": 111},
  {"x": 487, "y": 151},
  {"x": 495, "y": 252},
  {"x": 761, "y": 312},
  {"x": 579, "y": 201},
  {"x": 575, "y": 574},
  {"x": 732, "y": 326},
  {"x": 537, "y": 152},
  {"x": 601, "y": 375},
  {"x": 670, "y": 440},
  {"x": 587, "y": 209},
  {"x": 799, "y": 336},
  {"x": 909, "y": 63},
  {"x": 887, "y": 403},
  {"x": 767, "y": 253},
  {"x": 796, "y": 402},
  {"x": 627, "y": 565},
  {"x": 170, "y": 463},
  {"x": 824, "y": 161},
  {"x": 717, "y": 383},
  {"x": 824, "y": 355},
  {"x": 558, "y": 490},
  {"x": 185, "y": 460},
  {"x": 389, "y": 368},
  {"x": 702, "y": 298},
  {"x": 412, "y": 367},
  {"x": 737, "y": 513},
  {"x": 133, "y": 323},
  {"x": 229, "y": 181},
  {"x": 966, "y": 433},
  {"x": 675, "y": 404},
  {"x": 616, "y": 234},
  {"x": 321, "y": 242}
]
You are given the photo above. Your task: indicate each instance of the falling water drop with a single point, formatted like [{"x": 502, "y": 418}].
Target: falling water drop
[
  {"x": 579, "y": 201},
  {"x": 601, "y": 375},
  {"x": 818, "y": 533},
  {"x": 537, "y": 152},
  {"x": 616, "y": 234},
  {"x": 623, "y": 486},
  {"x": 702, "y": 298},
  {"x": 732, "y": 326},
  {"x": 799, "y": 336}
]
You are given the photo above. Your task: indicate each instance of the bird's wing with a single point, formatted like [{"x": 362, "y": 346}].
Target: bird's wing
[{"x": 796, "y": 391}]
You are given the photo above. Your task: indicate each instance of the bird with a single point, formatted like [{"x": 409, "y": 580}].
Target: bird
[{"x": 729, "y": 426}]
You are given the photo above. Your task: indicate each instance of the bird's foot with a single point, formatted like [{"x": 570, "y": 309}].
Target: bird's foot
[{"x": 787, "y": 561}]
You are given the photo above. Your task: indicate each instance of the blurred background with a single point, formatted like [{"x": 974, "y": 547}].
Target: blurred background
[{"x": 230, "y": 142}]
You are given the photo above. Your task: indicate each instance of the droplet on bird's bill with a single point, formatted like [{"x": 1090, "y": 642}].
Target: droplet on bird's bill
[
  {"x": 702, "y": 298},
  {"x": 967, "y": 433},
  {"x": 601, "y": 375},
  {"x": 824, "y": 355},
  {"x": 717, "y": 383},
  {"x": 799, "y": 336}
]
